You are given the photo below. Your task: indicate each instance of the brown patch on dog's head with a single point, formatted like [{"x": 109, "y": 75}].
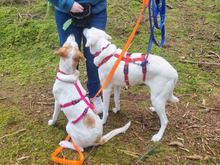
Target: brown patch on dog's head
[
  {"x": 64, "y": 51},
  {"x": 89, "y": 121},
  {"x": 78, "y": 55}
]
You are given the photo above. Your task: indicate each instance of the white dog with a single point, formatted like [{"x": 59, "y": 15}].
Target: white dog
[
  {"x": 158, "y": 75},
  {"x": 84, "y": 125}
]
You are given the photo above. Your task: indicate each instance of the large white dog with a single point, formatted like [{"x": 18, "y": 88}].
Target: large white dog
[
  {"x": 84, "y": 125},
  {"x": 158, "y": 75}
]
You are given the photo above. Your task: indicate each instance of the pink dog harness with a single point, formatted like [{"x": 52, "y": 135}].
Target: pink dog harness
[{"x": 83, "y": 97}]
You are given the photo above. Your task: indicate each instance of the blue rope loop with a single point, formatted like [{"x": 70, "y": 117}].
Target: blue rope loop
[{"x": 159, "y": 7}]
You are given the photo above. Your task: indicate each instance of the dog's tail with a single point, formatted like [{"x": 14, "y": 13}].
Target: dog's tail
[
  {"x": 113, "y": 133},
  {"x": 173, "y": 98}
]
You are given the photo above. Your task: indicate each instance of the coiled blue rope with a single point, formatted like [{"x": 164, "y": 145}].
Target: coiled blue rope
[{"x": 159, "y": 7}]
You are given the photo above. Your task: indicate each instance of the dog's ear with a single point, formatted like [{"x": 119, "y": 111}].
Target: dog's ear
[
  {"x": 108, "y": 37},
  {"x": 64, "y": 50},
  {"x": 60, "y": 52},
  {"x": 88, "y": 42},
  {"x": 79, "y": 54}
]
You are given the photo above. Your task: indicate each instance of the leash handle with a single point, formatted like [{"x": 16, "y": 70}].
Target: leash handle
[
  {"x": 160, "y": 7},
  {"x": 66, "y": 161},
  {"x": 145, "y": 4},
  {"x": 161, "y": 27}
]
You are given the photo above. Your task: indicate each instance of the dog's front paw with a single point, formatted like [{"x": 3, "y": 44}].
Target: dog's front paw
[
  {"x": 156, "y": 138},
  {"x": 103, "y": 121},
  {"x": 115, "y": 110},
  {"x": 51, "y": 122},
  {"x": 66, "y": 144},
  {"x": 152, "y": 109},
  {"x": 76, "y": 74}
]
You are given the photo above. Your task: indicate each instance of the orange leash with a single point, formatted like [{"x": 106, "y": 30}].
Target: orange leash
[
  {"x": 66, "y": 161},
  {"x": 79, "y": 162},
  {"x": 145, "y": 4}
]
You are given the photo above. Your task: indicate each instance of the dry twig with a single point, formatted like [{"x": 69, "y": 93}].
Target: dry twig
[
  {"x": 197, "y": 157},
  {"x": 89, "y": 152},
  {"x": 213, "y": 109},
  {"x": 134, "y": 154},
  {"x": 147, "y": 153},
  {"x": 138, "y": 136},
  {"x": 211, "y": 150},
  {"x": 23, "y": 157},
  {"x": 12, "y": 133},
  {"x": 175, "y": 143},
  {"x": 184, "y": 149},
  {"x": 169, "y": 6},
  {"x": 193, "y": 126},
  {"x": 205, "y": 63},
  {"x": 45, "y": 103}
]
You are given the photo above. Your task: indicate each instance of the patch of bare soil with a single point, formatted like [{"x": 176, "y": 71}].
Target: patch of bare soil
[{"x": 192, "y": 124}]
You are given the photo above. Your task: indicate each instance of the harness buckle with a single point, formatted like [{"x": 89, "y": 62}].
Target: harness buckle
[
  {"x": 75, "y": 102},
  {"x": 144, "y": 69},
  {"x": 126, "y": 69}
]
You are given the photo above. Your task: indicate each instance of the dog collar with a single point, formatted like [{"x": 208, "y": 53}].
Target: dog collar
[
  {"x": 105, "y": 60},
  {"x": 97, "y": 53},
  {"x": 64, "y": 72}
]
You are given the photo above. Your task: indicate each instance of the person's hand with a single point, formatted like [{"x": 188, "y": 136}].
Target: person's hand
[{"x": 76, "y": 8}]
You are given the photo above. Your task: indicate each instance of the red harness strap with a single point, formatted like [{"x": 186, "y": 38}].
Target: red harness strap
[
  {"x": 97, "y": 53},
  {"x": 127, "y": 59}
]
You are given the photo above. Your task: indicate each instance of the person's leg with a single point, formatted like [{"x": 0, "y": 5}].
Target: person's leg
[
  {"x": 98, "y": 21},
  {"x": 61, "y": 18}
]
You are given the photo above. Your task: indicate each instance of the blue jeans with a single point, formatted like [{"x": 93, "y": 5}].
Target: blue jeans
[{"x": 98, "y": 21}]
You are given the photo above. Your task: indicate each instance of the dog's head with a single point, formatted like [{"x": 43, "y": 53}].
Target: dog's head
[
  {"x": 70, "y": 55},
  {"x": 96, "y": 39}
]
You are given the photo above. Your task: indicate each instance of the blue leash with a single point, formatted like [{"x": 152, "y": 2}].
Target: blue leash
[{"x": 159, "y": 7}]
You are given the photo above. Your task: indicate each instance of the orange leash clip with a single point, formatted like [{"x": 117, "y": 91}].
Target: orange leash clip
[
  {"x": 66, "y": 161},
  {"x": 145, "y": 4}
]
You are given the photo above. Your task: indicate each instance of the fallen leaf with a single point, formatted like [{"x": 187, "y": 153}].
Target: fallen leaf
[
  {"x": 206, "y": 157},
  {"x": 42, "y": 71},
  {"x": 194, "y": 95},
  {"x": 216, "y": 84},
  {"x": 203, "y": 101},
  {"x": 23, "y": 157},
  {"x": 188, "y": 76},
  {"x": 175, "y": 143},
  {"x": 197, "y": 157},
  {"x": 183, "y": 57},
  {"x": 52, "y": 98}
]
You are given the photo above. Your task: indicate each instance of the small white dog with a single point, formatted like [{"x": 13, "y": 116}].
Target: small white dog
[
  {"x": 157, "y": 74},
  {"x": 84, "y": 125}
]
